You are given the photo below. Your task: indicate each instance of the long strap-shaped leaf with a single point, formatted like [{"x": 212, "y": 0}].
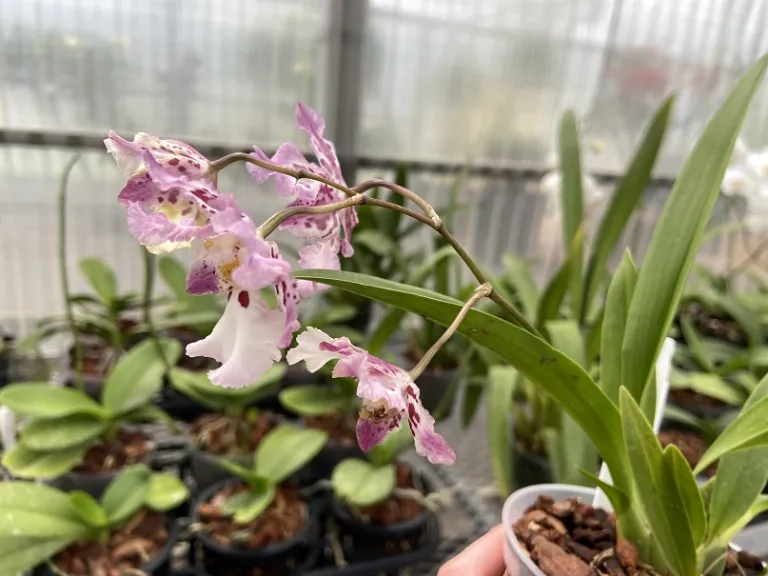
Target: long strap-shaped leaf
[
  {"x": 539, "y": 362},
  {"x": 572, "y": 203},
  {"x": 679, "y": 232},
  {"x": 624, "y": 201}
]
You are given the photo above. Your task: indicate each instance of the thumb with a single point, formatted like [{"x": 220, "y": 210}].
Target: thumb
[{"x": 484, "y": 557}]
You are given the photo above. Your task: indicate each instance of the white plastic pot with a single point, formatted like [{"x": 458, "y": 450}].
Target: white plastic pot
[{"x": 515, "y": 557}]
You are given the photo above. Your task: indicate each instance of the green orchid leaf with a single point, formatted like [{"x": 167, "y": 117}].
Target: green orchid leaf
[
  {"x": 707, "y": 384},
  {"x": 333, "y": 314},
  {"x": 740, "y": 479},
  {"x": 314, "y": 400},
  {"x": 362, "y": 484},
  {"x": 679, "y": 478},
  {"x": 26, "y": 553},
  {"x": 572, "y": 203},
  {"x": 678, "y": 234},
  {"x": 534, "y": 358},
  {"x": 27, "y": 463},
  {"x": 185, "y": 381},
  {"x": 101, "y": 278},
  {"x": 660, "y": 501},
  {"x": 197, "y": 385},
  {"x": 50, "y": 435},
  {"x": 696, "y": 346},
  {"x": 166, "y": 492},
  {"x": 138, "y": 375},
  {"x": 617, "y": 303},
  {"x": 618, "y": 498},
  {"x": 746, "y": 431},
  {"x": 552, "y": 298},
  {"x": 88, "y": 509},
  {"x": 391, "y": 447},
  {"x": 126, "y": 494},
  {"x": 519, "y": 276},
  {"x": 247, "y": 506},
  {"x": 17, "y": 495},
  {"x": 44, "y": 401},
  {"x": 285, "y": 450},
  {"x": 16, "y": 523},
  {"x": 501, "y": 384},
  {"x": 625, "y": 199}
]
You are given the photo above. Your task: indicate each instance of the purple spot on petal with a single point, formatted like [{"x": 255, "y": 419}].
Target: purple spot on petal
[
  {"x": 411, "y": 392},
  {"x": 244, "y": 299},
  {"x": 173, "y": 161},
  {"x": 182, "y": 169}
]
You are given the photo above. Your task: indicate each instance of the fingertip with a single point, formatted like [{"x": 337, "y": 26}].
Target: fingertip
[{"x": 483, "y": 557}]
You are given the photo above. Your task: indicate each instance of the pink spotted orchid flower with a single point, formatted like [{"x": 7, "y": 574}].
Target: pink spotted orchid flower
[
  {"x": 388, "y": 393},
  {"x": 168, "y": 194},
  {"x": 330, "y": 233},
  {"x": 169, "y": 208}
]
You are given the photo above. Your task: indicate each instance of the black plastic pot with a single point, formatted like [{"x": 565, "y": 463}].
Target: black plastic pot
[
  {"x": 434, "y": 385},
  {"x": 332, "y": 453},
  {"x": 160, "y": 565},
  {"x": 372, "y": 541},
  {"x": 531, "y": 468},
  {"x": 6, "y": 359},
  {"x": 279, "y": 559},
  {"x": 179, "y": 406},
  {"x": 93, "y": 483}
]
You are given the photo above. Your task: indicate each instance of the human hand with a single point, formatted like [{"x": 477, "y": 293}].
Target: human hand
[{"x": 484, "y": 557}]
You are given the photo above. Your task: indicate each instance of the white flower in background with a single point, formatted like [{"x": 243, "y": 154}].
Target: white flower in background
[
  {"x": 551, "y": 183},
  {"x": 7, "y": 428},
  {"x": 747, "y": 177}
]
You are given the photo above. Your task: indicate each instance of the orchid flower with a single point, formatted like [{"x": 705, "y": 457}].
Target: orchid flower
[
  {"x": 167, "y": 209},
  {"x": 330, "y": 232},
  {"x": 388, "y": 393},
  {"x": 551, "y": 183},
  {"x": 747, "y": 176},
  {"x": 168, "y": 194}
]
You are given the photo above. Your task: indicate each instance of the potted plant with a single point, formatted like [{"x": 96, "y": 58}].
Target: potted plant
[
  {"x": 261, "y": 519},
  {"x": 545, "y": 444},
  {"x": 74, "y": 534},
  {"x": 661, "y": 517},
  {"x": 381, "y": 506},
  {"x": 232, "y": 428},
  {"x": 332, "y": 408},
  {"x": 78, "y": 441}
]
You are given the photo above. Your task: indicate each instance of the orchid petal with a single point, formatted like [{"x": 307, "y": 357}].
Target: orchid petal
[
  {"x": 428, "y": 443},
  {"x": 245, "y": 341},
  {"x": 314, "y": 347},
  {"x": 369, "y": 433}
]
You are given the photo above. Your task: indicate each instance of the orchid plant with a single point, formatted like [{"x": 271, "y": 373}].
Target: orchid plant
[
  {"x": 282, "y": 453},
  {"x": 39, "y": 521},
  {"x": 61, "y": 424},
  {"x": 172, "y": 200}
]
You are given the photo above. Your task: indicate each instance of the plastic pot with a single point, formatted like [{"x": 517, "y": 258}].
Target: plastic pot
[
  {"x": 159, "y": 565},
  {"x": 516, "y": 559},
  {"x": 275, "y": 557},
  {"x": 372, "y": 540},
  {"x": 332, "y": 453},
  {"x": 93, "y": 483}
]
